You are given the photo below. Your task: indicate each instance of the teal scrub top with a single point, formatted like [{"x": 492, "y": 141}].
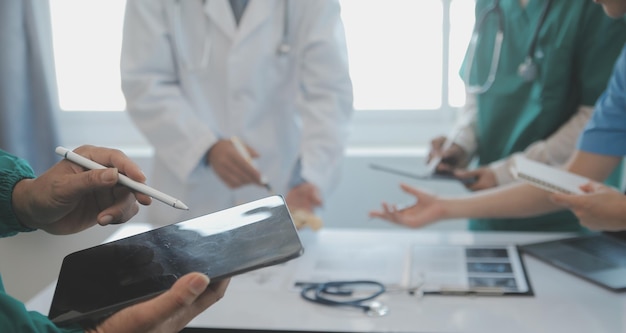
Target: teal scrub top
[
  {"x": 14, "y": 317},
  {"x": 576, "y": 48}
]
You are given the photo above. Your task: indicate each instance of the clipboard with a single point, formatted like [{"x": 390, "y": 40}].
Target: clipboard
[
  {"x": 470, "y": 270},
  {"x": 424, "y": 176}
]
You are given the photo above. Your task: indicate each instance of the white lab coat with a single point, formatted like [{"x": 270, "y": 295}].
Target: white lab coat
[{"x": 194, "y": 78}]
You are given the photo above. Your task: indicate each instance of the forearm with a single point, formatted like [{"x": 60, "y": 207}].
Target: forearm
[
  {"x": 554, "y": 150},
  {"x": 514, "y": 201},
  {"x": 593, "y": 166}
]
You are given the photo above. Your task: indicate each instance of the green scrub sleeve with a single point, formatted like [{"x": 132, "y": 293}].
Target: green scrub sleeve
[
  {"x": 14, "y": 317},
  {"x": 12, "y": 170}
]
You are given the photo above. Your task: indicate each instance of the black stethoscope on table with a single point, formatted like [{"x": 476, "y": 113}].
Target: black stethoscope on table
[
  {"x": 528, "y": 69},
  {"x": 342, "y": 293},
  {"x": 283, "y": 49}
]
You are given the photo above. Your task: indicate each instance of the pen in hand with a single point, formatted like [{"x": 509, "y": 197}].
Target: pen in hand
[
  {"x": 434, "y": 162},
  {"x": 241, "y": 149},
  {"x": 124, "y": 180}
]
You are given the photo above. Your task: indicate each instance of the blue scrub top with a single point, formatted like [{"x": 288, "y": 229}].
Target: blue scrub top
[{"x": 605, "y": 133}]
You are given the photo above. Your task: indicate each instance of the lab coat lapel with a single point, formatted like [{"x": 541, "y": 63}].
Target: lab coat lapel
[
  {"x": 220, "y": 13},
  {"x": 255, "y": 14}
]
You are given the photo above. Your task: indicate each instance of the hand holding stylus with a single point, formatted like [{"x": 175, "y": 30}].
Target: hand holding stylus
[{"x": 134, "y": 185}]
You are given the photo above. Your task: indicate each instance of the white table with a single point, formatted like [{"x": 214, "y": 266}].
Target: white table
[
  {"x": 562, "y": 303},
  {"x": 265, "y": 299}
]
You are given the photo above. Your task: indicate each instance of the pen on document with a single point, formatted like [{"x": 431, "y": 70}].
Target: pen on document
[
  {"x": 124, "y": 180},
  {"x": 241, "y": 149}
]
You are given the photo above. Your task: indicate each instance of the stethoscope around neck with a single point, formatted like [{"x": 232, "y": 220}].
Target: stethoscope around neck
[
  {"x": 527, "y": 70},
  {"x": 283, "y": 48}
]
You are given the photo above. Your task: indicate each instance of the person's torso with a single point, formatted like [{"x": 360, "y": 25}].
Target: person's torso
[
  {"x": 239, "y": 84},
  {"x": 515, "y": 113}
]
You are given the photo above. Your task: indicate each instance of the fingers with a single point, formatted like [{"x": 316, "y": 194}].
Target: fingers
[
  {"x": 305, "y": 197},
  {"x": 168, "y": 312},
  {"x": 588, "y": 188},
  {"x": 435, "y": 147},
  {"x": 77, "y": 185},
  {"x": 233, "y": 168},
  {"x": 112, "y": 158},
  {"x": 215, "y": 292},
  {"x": 411, "y": 190},
  {"x": 120, "y": 211},
  {"x": 477, "y": 179},
  {"x": 565, "y": 200},
  {"x": 184, "y": 292},
  {"x": 117, "y": 203},
  {"x": 188, "y": 297},
  {"x": 253, "y": 153},
  {"x": 115, "y": 159},
  {"x": 238, "y": 172},
  {"x": 312, "y": 194},
  {"x": 389, "y": 213}
]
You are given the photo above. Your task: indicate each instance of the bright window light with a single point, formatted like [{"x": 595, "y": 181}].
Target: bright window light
[
  {"x": 87, "y": 39},
  {"x": 461, "y": 25},
  {"x": 395, "y": 49}
]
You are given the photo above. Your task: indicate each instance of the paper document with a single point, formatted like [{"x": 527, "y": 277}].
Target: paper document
[
  {"x": 437, "y": 269},
  {"x": 383, "y": 263}
]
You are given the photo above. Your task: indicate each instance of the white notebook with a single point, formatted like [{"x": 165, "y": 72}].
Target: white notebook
[{"x": 547, "y": 177}]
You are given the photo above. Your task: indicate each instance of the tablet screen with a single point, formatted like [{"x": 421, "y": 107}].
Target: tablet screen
[{"x": 98, "y": 281}]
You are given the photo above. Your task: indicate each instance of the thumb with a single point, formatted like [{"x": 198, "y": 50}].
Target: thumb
[
  {"x": 411, "y": 190},
  {"x": 182, "y": 294},
  {"x": 162, "y": 312}
]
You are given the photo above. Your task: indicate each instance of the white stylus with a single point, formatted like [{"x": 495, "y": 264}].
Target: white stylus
[{"x": 124, "y": 180}]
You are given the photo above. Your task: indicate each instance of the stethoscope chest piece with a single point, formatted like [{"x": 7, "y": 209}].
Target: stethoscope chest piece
[
  {"x": 376, "y": 309},
  {"x": 528, "y": 70}
]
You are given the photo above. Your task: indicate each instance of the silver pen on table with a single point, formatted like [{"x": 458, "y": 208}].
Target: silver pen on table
[{"x": 124, "y": 180}]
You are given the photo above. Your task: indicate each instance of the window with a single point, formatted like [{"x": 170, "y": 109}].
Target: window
[
  {"x": 404, "y": 60},
  {"x": 87, "y": 39}
]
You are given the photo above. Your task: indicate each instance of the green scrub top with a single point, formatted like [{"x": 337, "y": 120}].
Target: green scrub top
[
  {"x": 575, "y": 50},
  {"x": 14, "y": 317}
]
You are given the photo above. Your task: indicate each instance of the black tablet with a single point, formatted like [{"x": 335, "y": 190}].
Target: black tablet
[{"x": 97, "y": 282}]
